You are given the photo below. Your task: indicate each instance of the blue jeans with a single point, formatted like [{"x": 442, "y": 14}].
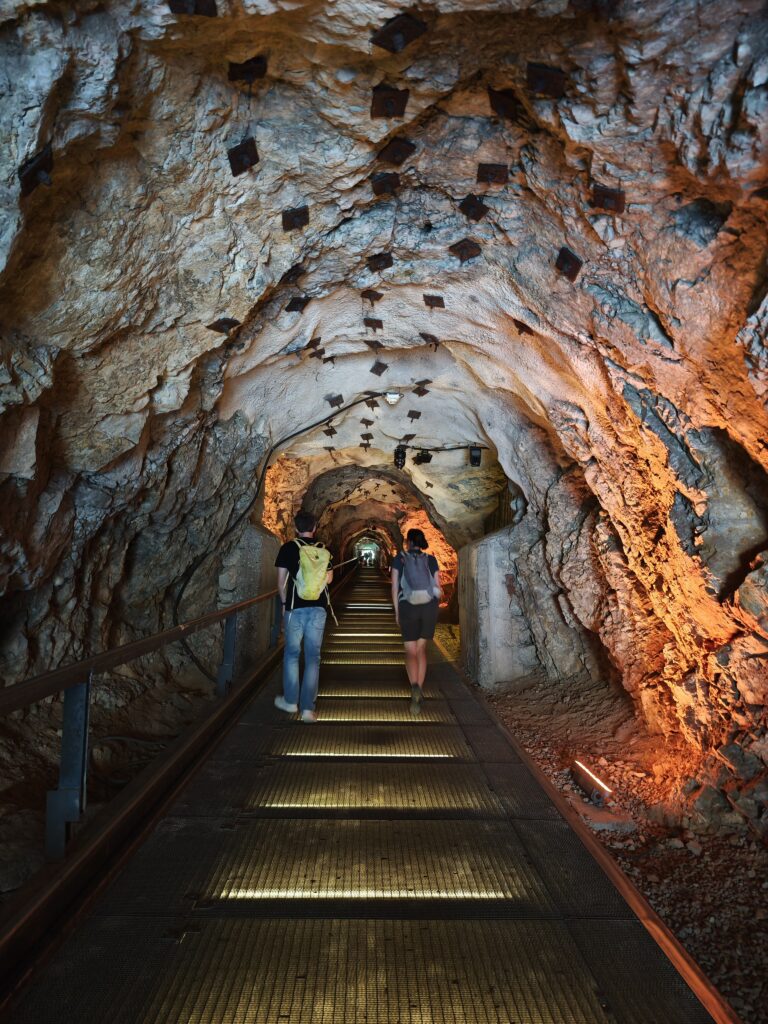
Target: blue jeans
[{"x": 307, "y": 624}]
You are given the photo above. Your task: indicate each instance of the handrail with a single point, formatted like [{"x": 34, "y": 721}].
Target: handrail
[
  {"x": 21, "y": 695},
  {"x": 66, "y": 804}
]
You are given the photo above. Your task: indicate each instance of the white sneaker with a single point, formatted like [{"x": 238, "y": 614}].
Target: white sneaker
[
  {"x": 309, "y": 716},
  {"x": 282, "y": 703}
]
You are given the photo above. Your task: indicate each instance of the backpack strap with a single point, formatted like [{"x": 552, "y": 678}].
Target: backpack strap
[{"x": 299, "y": 545}]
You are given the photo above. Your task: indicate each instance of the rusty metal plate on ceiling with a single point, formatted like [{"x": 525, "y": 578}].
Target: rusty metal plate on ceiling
[
  {"x": 380, "y": 261},
  {"x": 243, "y": 156},
  {"x": 493, "y": 174},
  {"x": 605, "y": 198},
  {"x": 387, "y": 101},
  {"x": 568, "y": 263},
  {"x": 473, "y": 207},
  {"x": 397, "y": 33},
  {"x": 506, "y": 104},
  {"x": 297, "y": 217},
  {"x": 466, "y": 249}
]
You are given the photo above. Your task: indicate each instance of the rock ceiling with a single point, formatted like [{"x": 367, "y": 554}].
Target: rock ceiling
[{"x": 544, "y": 223}]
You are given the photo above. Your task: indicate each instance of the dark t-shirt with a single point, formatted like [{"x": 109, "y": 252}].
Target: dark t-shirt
[
  {"x": 397, "y": 563},
  {"x": 288, "y": 558}
]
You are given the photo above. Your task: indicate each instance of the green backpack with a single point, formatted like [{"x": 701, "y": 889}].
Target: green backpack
[{"x": 313, "y": 569}]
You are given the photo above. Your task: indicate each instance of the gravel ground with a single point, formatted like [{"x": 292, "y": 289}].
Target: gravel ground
[{"x": 711, "y": 889}]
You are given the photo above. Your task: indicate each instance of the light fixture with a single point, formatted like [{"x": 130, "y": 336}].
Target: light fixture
[
  {"x": 595, "y": 788},
  {"x": 400, "y": 456},
  {"x": 392, "y": 397},
  {"x": 421, "y": 458},
  {"x": 475, "y": 454}
]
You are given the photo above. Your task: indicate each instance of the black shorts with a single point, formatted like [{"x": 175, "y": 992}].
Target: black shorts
[{"x": 418, "y": 621}]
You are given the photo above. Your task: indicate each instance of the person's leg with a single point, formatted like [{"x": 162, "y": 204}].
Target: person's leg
[
  {"x": 427, "y": 625},
  {"x": 412, "y": 661},
  {"x": 314, "y": 627},
  {"x": 421, "y": 654},
  {"x": 293, "y": 633}
]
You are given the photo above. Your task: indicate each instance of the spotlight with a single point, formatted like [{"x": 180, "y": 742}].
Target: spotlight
[
  {"x": 392, "y": 397},
  {"x": 421, "y": 458},
  {"x": 475, "y": 454},
  {"x": 400, "y": 456}
]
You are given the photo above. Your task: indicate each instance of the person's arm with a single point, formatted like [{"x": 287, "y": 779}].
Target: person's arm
[
  {"x": 282, "y": 584},
  {"x": 329, "y": 578},
  {"x": 395, "y": 589},
  {"x": 438, "y": 591}
]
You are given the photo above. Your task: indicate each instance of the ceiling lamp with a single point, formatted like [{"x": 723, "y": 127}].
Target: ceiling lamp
[
  {"x": 475, "y": 454},
  {"x": 421, "y": 458},
  {"x": 400, "y": 456},
  {"x": 392, "y": 397}
]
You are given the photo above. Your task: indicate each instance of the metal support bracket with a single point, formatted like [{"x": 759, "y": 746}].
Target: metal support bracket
[
  {"x": 227, "y": 668},
  {"x": 66, "y": 804}
]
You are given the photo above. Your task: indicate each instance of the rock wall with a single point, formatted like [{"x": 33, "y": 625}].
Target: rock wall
[{"x": 548, "y": 238}]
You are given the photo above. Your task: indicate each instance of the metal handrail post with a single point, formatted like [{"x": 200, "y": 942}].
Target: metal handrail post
[
  {"x": 66, "y": 804},
  {"x": 227, "y": 668}
]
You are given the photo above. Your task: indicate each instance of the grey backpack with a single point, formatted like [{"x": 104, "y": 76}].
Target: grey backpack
[{"x": 416, "y": 581}]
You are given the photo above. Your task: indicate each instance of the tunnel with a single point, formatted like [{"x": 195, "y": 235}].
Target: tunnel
[{"x": 494, "y": 271}]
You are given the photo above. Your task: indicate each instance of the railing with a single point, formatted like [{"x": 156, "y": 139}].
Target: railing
[{"x": 66, "y": 804}]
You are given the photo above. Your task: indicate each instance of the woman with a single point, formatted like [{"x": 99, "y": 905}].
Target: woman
[{"x": 416, "y": 621}]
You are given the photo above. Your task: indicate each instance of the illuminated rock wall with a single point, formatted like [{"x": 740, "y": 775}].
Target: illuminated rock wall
[{"x": 622, "y": 393}]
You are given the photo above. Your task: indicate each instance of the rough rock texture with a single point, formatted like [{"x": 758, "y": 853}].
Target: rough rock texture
[{"x": 624, "y": 399}]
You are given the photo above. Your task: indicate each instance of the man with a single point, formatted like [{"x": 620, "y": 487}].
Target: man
[{"x": 304, "y": 619}]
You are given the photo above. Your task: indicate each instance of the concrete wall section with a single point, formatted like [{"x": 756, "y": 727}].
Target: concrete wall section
[
  {"x": 497, "y": 644},
  {"x": 512, "y": 623},
  {"x": 249, "y": 570}
]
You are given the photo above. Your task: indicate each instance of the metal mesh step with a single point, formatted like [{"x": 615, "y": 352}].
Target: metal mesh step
[
  {"x": 239, "y": 971},
  {"x": 373, "y": 787},
  {"x": 397, "y": 689},
  {"x": 443, "y": 742},
  {"x": 373, "y": 860},
  {"x": 361, "y": 710},
  {"x": 232, "y": 868},
  {"x": 354, "y": 658}
]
